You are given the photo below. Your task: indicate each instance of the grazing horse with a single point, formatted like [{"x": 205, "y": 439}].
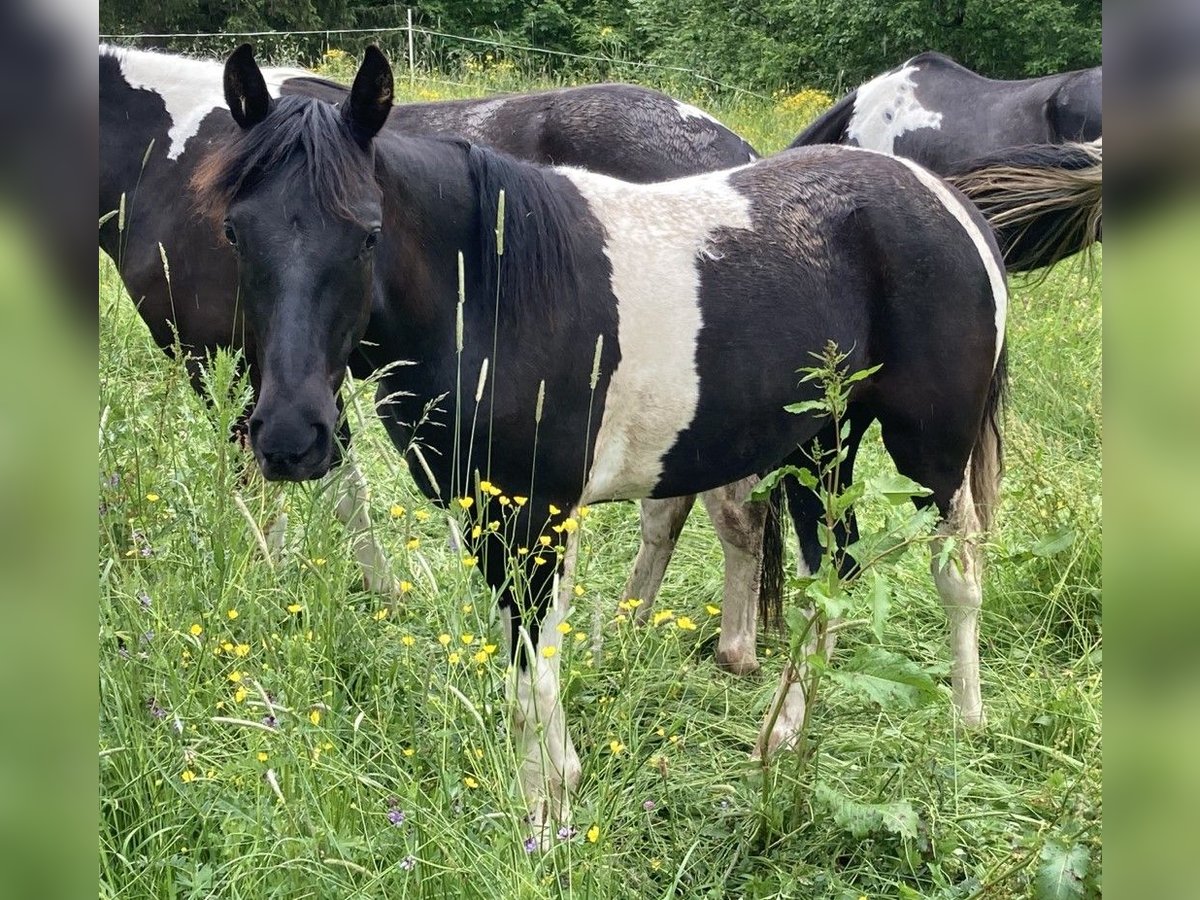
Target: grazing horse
[
  {"x": 623, "y": 340},
  {"x": 159, "y": 111},
  {"x": 939, "y": 113}
]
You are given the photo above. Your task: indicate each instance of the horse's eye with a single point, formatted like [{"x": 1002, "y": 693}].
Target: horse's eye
[
  {"x": 230, "y": 234},
  {"x": 371, "y": 240}
]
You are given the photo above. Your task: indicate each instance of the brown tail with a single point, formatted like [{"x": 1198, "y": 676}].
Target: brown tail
[
  {"x": 1045, "y": 201},
  {"x": 987, "y": 459}
]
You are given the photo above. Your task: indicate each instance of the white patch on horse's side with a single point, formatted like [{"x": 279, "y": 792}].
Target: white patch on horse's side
[
  {"x": 190, "y": 88},
  {"x": 654, "y": 236},
  {"x": 887, "y": 107},
  {"x": 687, "y": 111},
  {"x": 957, "y": 208}
]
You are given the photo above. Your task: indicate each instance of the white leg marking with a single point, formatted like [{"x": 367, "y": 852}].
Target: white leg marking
[
  {"x": 652, "y": 395},
  {"x": 740, "y": 527},
  {"x": 661, "y": 523},
  {"x": 960, "y": 587},
  {"x": 548, "y": 764},
  {"x": 790, "y": 700},
  {"x": 887, "y": 107},
  {"x": 351, "y": 510}
]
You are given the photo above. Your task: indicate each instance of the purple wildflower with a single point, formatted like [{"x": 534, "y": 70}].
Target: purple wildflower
[
  {"x": 648, "y": 805},
  {"x": 144, "y": 599},
  {"x": 269, "y": 721},
  {"x": 530, "y": 844},
  {"x": 408, "y": 862},
  {"x": 566, "y": 833},
  {"x": 155, "y": 709},
  {"x": 148, "y": 637},
  {"x": 147, "y": 552},
  {"x": 396, "y": 816},
  {"x": 114, "y": 480}
]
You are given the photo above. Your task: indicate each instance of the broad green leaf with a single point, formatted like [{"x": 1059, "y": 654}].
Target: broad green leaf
[
  {"x": 861, "y": 819},
  {"x": 862, "y": 373},
  {"x": 897, "y": 488},
  {"x": 881, "y": 603},
  {"x": 1053, "y": 544},
  {"x": 1061, "y": 872},
  {"x": 807, "y": 406},
  {"x": 888, "y": 679}
]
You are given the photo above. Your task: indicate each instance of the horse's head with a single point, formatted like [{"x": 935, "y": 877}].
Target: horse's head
[{"x": 296, "y": 197}]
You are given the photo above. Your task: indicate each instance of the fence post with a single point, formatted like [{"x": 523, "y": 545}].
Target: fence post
[{"x": 412, "y": 65}]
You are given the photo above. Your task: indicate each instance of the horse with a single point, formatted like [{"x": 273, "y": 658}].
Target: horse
[
  {"x": 159, "y": 111},
  {"x": 933, "y": 110},
  {"x": 630, "y": 341}
]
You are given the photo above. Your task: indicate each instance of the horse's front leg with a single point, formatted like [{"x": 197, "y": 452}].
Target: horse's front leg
[{"x": 548, "y": 766}]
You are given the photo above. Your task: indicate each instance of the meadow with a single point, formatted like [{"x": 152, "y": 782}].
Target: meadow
[{"x": 269, "y": 729}]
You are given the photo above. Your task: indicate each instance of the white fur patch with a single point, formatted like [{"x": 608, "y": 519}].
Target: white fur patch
[
  {"x": 956, "y": 208},
  {"x": 687, "y": 111},
  {"x": 654, "y": 235},
  {"x": 190, "y": 88},
  {"x": 887, "y": 107}
]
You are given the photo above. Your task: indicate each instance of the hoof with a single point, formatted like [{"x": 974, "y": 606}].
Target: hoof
[
  {"x": 737, "y": 663},
  {"x": 975, "y": 720}
]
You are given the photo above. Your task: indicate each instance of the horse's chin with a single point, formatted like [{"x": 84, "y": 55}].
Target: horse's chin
[{"x": 302, "y": 471}]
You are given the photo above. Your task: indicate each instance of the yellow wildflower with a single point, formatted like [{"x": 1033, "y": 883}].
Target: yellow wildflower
[
  {"x": 235, "y": 676},
  {"x": 240, "y": 694},
  {"x": 570, "y": 525},
  {"x": 545, "y": 540},
  {"x": 489, "y": 649},
  {"x": 405, "y": 587},
  {"x": 663, "y": 615},
  {"x": 485, "y": 486},
  {"x": 381, "y": 614},
  {"x": 540, "y": 560},
  {"x": 444, "y": 639},
  {"x": 470, "y": 782},
  {"x": 262, "y": 756},
  {"x": 408, "y": 640},
  {"x": 467, "y": 607},
  {"x": 196, "y": 630},
  {"x": 188, "y": 775},
  {"x": 584, "y": 512},
  {"x": 520, "y": 501},
  {"x": 467, "y": 638},
  {"x": 421, "y": 514},
  {"x": 712, "y": 610},
  {"x": 226, "y": 646},
  {"x": 294, "y": 608},
  {"x": 479, "y": 657},
  {"x": 454, "y": 657},
  {"x": 521, "y": 551},
  {"x": 493, "y": 526},
  {"x": 504, "y": 501},
  {"x": 319, "y": 561},
  {"x": 580, "y": 637},
  {"x": 615, "y": 746},
  {"x": 153, "y": 498},
  {"x": 579, "y": 590},
  {"x": 470, "y": 561},
  {"x": 242, "y": 650},
  {"x": 409, "y": 751},
  {"x": 685, "y": 623},
  {"x": 315, "y": 717},
  {"x": 550, "y": 651},
  {"x": 397, "y": 511},
  {"x": 466, "y": 502},
  {"x": 554, "y": 510},
  {"x": 413, "y": 544},
  {"x": 231, "y": 614},
  {"x": 593, "y": 834},
  {"x": 619, "y": 618},
  {"x": 476, "y": 532},
  {"x": 564, "y": 627}
]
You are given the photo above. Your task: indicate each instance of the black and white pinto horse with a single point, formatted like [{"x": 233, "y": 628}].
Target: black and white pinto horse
[
  {"x": 638, "y": 340},
  {"x": 941, "y": 114},
  {"x": 957, "y": 123},
  {"x": 160, "y": 112}
]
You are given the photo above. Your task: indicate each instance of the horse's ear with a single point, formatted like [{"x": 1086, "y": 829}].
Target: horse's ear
[
  {"x": 245, "y": 88},
  {"x": 370, "y": 97}
]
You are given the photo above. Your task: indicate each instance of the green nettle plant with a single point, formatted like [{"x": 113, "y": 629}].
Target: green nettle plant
[{"x": 852, "y": 587}]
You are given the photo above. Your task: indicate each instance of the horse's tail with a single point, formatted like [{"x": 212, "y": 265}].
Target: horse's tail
[
  {"x": 1044, "y": 201},
  {"x": 830, "y": 126},
  {"x": 987, "y": 458},
  {"x": 770, "y": 593}
]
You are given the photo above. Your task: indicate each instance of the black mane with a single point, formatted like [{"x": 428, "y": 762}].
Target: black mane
[
  {"x": 335, "y": 166},
  {"x": 542, "y": 234}
]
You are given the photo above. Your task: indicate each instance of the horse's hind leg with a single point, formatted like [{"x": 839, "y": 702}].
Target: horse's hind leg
[
  {"x": 740, "y": 527},
  {"x": 938, "y": 454},
  {"x": 788, "y": 708},
  {"x": 662, "y": 521}
]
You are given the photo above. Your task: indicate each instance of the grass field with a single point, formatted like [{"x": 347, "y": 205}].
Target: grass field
[{"x": 277, "y": 732}]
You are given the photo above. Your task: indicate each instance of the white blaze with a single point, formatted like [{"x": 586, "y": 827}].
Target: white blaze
[
  {"x": 654, "y": 236},
  {"x": 887, "y": 107},
  {"x": 190, "y": 88}
]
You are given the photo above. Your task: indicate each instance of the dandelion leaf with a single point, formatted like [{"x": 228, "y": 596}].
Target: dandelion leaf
[
  {"x": 860, "y": 819},
  {"x": 1061, "y": 872},
  {"x": 888, "y": 679}
]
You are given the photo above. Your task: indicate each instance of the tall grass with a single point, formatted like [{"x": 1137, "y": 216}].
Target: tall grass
[{"x": 277, "y": 732}]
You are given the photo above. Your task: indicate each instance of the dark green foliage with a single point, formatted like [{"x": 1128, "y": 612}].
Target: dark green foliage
[{"x": 759, "y": 44}]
